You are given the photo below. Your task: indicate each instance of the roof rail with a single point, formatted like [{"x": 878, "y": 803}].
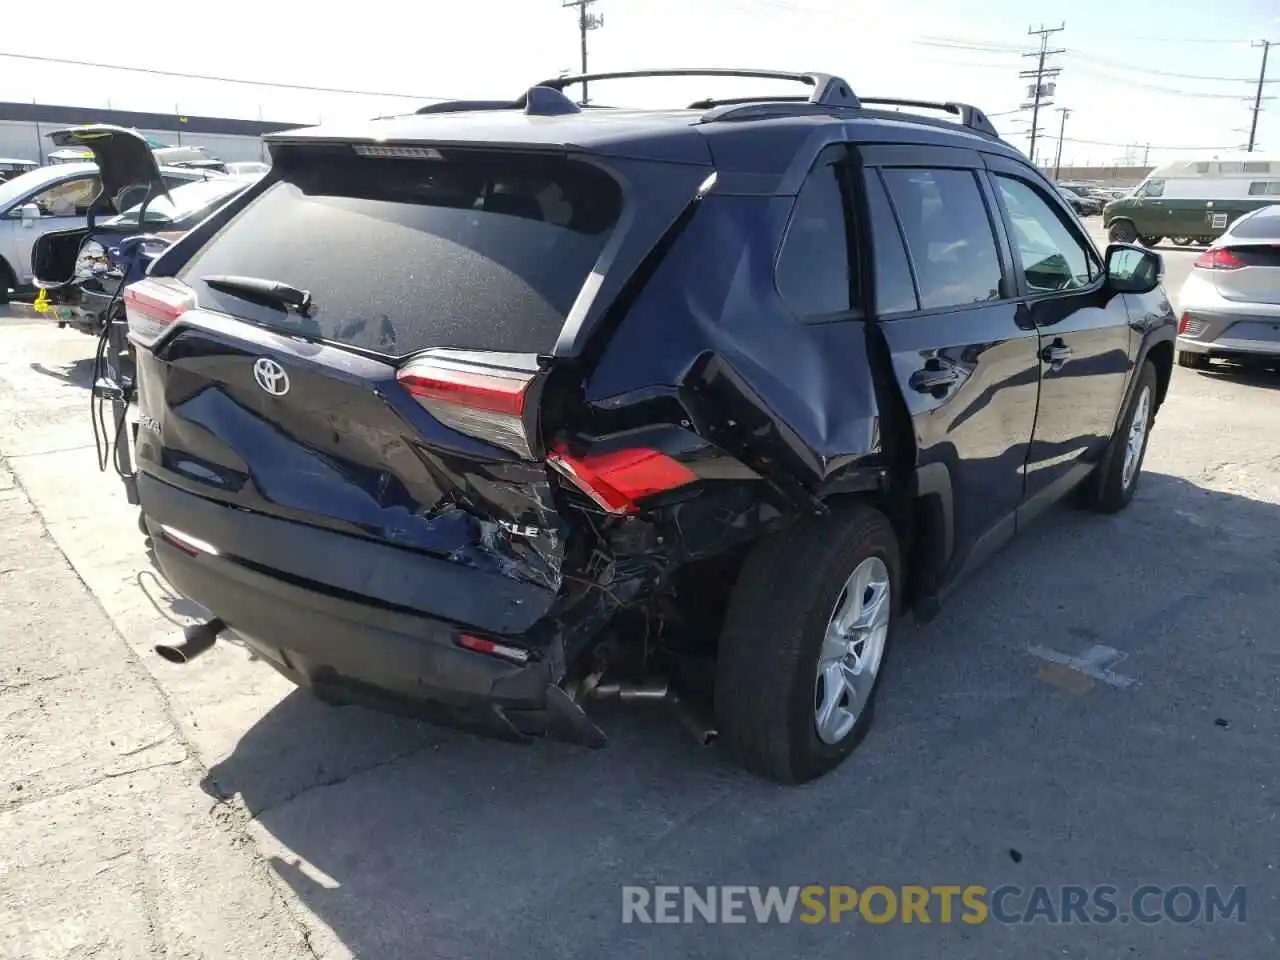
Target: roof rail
[
  {"x": 970, "y": 116},
  {"x": 827, "y": 90},
  {"x": 539, "y": 101}
]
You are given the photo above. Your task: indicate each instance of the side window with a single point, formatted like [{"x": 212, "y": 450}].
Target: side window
[
  {"x": 895, "y": 290},
  {"x": 1264, "y": 188},
  {"x": 948, "y": 232},
  {"x": 71, "y": 198},
  {"x": 1152, "y": 188},
  {"x": 1052, "y": 259},
  {"x": 813, "y": 268}
]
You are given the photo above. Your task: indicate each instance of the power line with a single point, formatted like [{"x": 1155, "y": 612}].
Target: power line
[
  {"x": 1040, "y": 90},
  {"x": 1119, "y": 65},
  {"x": 216, "y": 79},
  {"x": 587, "y": 21},
  {"x": 1155, "y": 87},
  {"x": 1150, "y": 146},
  {"x": 1257, "y": 98}
]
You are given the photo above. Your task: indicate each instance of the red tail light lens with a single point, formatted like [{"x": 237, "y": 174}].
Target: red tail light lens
[
  {"x": 154, "y": 303},
  {"x": 483, "y": 402},
  {"x": 617, "y": 481},
  {"x": 1184, "y": 323},
  {"x": 1219, "y": 258}
]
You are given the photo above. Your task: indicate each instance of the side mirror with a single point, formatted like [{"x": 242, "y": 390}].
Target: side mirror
[
  {"x": 1132, "y": 269},
  {"x": 30, "y": 213}
]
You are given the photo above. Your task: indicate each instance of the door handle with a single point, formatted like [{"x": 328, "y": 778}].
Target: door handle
[
  {"x": 933, "y": 378},
  {"x": 1056, "y": 353}
]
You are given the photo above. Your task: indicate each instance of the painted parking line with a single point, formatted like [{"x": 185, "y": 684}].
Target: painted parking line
[{"x": 1094, "y": 664}]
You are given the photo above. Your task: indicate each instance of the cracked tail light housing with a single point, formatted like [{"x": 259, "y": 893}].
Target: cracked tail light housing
[{"x": 617, "y": 481}]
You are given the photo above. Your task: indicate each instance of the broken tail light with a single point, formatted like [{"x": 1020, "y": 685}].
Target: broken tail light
[
  {"x": 153, "y": 304},
  {"x": 619, "y": 480},
  {"x": 488, "y": 403}
]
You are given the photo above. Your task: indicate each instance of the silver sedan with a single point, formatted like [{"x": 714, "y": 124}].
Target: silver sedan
[{"x": 1230, "y": 304}]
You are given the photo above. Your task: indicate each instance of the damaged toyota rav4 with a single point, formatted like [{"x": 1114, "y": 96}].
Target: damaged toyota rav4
[{"x": 497, "y": 409}]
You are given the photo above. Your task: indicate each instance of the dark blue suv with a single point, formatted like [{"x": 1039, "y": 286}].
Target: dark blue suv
[{"x": 499, "y": 408}]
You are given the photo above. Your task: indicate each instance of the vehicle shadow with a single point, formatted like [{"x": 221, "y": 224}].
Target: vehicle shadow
[
  {"x": 1265, "y": 377},
  {"x": 452, "y": 845},
  {"x": 78, "y": 374}
]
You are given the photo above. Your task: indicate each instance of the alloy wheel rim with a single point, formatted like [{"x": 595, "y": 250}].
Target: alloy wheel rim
[
  {"x": 852, "y": 650},
  {"x": 1137, "y": 436}
]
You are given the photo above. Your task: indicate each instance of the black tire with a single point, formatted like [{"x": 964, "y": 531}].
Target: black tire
[
  {"x": 767, "y": 666},
  {"x": 1106, "y": 491},
  {"x": 1122, "y": 231},
  {"x": 1193, "y": 361},
  {"x": 1151, "y": 241},
  {"x": 1182, "y": 241},
  {"x": 7, "y": 280}
]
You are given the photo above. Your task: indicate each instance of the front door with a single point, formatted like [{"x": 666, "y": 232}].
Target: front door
[
  {"x": 62, "y": 206},
  {"x": 964, "y": 358},
  {"x": 1086, "y": 343}
]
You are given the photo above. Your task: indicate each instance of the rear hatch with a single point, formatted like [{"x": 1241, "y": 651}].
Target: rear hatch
[{"x": 365, "y": 344}]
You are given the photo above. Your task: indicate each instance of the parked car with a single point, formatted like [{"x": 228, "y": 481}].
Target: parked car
[
  {"x": 1081, "y": 200},
  {"x": 1193, "y": 201},
  {"x": 1230, "y": 303},
  {"x": 11, "y": 167},
  {"x": 460, "y": 414},
  {"x": 50, "y": 199},
  {"x": 76, "y": 271}
]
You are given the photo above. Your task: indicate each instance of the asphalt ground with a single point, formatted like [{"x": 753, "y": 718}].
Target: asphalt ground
[{"x": 1097, "y": 707}]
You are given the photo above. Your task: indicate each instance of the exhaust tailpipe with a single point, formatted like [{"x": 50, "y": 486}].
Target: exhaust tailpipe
[
  {"x": 690, "y": 716},
  {"x": 196, "y": 639}
]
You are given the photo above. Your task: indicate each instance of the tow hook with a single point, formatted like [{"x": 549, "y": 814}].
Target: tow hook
[
  {"x": 694, "y": 720},
  {"x": 196, "y": 639}
]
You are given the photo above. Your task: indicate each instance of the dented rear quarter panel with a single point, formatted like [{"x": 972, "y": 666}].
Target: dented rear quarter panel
[{"x": 710, "y": 339}]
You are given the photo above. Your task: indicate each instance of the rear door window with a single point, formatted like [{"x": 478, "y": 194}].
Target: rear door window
[
  {"x": 949, "y": 234},
  {"x": 895, "y": 290},
  {"x": 458, "y": 249},
  {"x": 813, "y": 272}
]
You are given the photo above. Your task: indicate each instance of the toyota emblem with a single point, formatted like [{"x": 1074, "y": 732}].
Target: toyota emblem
[{"x": 271, "y": 376}]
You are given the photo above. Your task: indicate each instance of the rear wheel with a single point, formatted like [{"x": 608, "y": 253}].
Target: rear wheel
[
  {"x": 1195, "y": 361},
  {"x": 1151, "y": 241},
  {"x": 1112, "y": 487},
  {"x": 803, "y": 645},
  {"x": 1183, "y": 241},
  {"x": 1122, "y": 231}
]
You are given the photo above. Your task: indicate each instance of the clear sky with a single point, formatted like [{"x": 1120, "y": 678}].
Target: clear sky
[{"x": 1136, "y": 72}]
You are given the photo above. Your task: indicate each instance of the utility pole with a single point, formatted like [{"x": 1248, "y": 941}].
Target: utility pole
[
  {"x": 1257, "y": 98},
  {"x": 587, "y": 21},
  {"x": 1062, "y": 132},
  {"x": 1039, "y": 91}
]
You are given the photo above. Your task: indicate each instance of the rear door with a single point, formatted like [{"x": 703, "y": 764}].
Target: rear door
[
  {"x": 963, "y": 354},
  {"x": 1086, "y": 343}
]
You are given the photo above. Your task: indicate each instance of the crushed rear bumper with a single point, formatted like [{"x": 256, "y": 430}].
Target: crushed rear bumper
[{"x": 346, "y": 649}]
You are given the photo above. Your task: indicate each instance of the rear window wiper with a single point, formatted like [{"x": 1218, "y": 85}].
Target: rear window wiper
[{"x": 266, "y": 291}]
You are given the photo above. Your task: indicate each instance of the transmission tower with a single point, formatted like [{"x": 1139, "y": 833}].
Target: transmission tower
[{"x": 1039, "y": 92}]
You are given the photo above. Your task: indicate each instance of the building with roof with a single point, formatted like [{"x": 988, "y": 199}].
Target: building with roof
[{"x": 24, "y": 129}]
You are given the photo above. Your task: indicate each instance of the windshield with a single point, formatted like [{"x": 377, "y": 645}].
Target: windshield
[{"x": 183, "y": 202}]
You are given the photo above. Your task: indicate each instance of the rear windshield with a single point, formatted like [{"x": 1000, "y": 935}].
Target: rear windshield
[
  {"x": 1263, "y": 225},
  {"x": 468, "y": 250}
]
